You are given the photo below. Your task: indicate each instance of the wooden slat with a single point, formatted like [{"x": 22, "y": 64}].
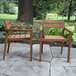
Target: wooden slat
[
  {"x": 21, "y": 27},
  {"x": 53, "y": 26},
  {"x": 54, "y": 38},
  {"x": 11, "y": 36},
  {"x": 27, "y": 35},
  {"x": 27, "y": 30},
  {"x": 53, "y": 21},
  {"x": 19, "y": 36},
  {"x": 15, "y": 36},
  {"x": 22, "y": 36},
  {"x": 18, "y": 39}
]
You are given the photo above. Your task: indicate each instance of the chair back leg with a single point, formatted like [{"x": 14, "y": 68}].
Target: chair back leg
[
  {"x": 61, "y": 47},
  {"x": 31, "y": 49},
  {"x": 40, "y": 49},
  {"x": 8, "y": 47},
  {"x": 69, "y": 45}
]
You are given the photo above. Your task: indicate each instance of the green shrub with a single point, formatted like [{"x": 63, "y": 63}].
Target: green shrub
[
  {"x": 2, "y": 39},
  {"x": 4, "y": 33},
  {"x": 40, "y": 9},
  {"x": 13, "y": 10},
  {"x": 2, "y": 26},
  {"x": 55, "y": 31}
]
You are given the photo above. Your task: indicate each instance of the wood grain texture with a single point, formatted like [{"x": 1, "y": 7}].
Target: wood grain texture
[{"x": 53, "y": 23}]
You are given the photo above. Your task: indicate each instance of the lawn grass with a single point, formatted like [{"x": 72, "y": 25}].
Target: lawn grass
[
  {"x": 14, "y": 17},
  {"x": 60, "y": 17},
  {"x": 38, "y": 21},
  {"x": 6, "y": 16}
]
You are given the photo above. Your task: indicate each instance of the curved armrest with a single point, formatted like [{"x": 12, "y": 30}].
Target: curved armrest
[{"x": 67, "y": 30}]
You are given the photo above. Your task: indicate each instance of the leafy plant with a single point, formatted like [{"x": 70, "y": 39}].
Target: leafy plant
[
  {"x": 2, "y": 39},
  {"x": 55, "y": 31},
  {"x": 74, "y": 37},
  {"x": 2, "y": 26},
  {"x": 41, "y": 7}
]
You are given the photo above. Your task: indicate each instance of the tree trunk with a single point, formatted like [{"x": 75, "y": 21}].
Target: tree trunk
[
  {"x": 69, "y": 10},
  {"x": 25, "y": 11}
]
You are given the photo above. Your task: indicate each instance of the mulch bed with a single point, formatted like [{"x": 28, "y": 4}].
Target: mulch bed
[
  {"x": 38, "y": 42},
  {"x": 50, "y": 43}
]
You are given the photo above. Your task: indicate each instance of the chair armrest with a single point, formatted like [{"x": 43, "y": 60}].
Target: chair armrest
[
  {"x": 67, "y": 30},
  {"x": 21, "y": 27}
]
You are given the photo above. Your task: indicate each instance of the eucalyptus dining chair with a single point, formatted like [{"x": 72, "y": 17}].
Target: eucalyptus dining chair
[
  {"x": 11, "y": 36},
  {"x": 62, "y": 39}
]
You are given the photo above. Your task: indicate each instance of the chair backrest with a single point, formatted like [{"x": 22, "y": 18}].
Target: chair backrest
[
  {"x": 53, "y": 23},
  {"x": 7, "y": 24}
]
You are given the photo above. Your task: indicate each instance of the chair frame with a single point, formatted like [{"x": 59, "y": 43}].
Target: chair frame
[
  {"x": 10, "y": 29},
  {"x": 49, "y": 40}
]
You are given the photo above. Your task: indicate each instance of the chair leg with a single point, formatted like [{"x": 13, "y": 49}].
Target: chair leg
[
  {"x": 31, "y": 50},
  {"x": 8, "y": 47},
  {"x": 61, "y": 47},
  {"x": 69, "y": 45},
  {"x": 40, "y": 49},
  {"x": 5, "y": 46}
]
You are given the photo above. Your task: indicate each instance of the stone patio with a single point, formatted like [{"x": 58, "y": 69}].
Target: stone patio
[{"x": 17, "y": 62}]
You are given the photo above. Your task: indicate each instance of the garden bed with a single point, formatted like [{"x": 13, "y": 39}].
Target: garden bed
[{"x": 36, "y": 32}]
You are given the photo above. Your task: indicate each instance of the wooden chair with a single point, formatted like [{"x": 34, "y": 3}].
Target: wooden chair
[
  {"x": 17, "y": 37},
  {"x": 54, "y": 24}
]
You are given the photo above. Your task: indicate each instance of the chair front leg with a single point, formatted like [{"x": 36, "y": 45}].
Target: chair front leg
[
  {"x": 69, "y": 45},
  {"x": 5, "y": 46},
  {"x": 41, "y": 43},
  {"x": 40, "y": 49}
]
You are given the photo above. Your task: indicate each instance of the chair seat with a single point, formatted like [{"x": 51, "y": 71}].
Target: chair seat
[
  {"x": 54, "y": 38},
  {"x": 19, "y": 37}
]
